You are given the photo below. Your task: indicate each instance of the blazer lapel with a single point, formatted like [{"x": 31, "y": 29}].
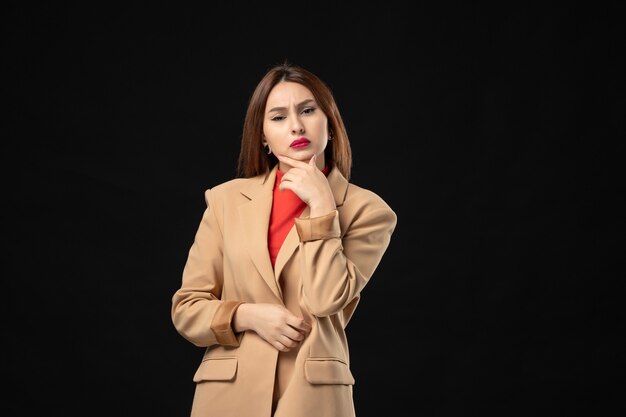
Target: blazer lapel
[
  {"x": 291, "y": 242},
  {"x": 339, "y": 187},
  {"x": 255, "y": 216}
]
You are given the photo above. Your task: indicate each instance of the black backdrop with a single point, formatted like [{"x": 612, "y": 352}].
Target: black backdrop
[{"x": 485, "y": 128}]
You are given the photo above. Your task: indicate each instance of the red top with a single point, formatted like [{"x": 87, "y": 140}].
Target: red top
[{"x": 286, "y": 206}]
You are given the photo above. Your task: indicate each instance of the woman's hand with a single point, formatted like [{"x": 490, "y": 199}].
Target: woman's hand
[
  {"x": 308, "y": 183},
  {"x": 273, "y": 322}
]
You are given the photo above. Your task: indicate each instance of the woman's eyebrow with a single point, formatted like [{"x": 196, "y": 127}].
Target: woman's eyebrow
[{"x": 301, "y": 104}]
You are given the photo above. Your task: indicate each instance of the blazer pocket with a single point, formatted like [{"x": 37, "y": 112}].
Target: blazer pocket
[
  {"x": 216, "y": 369},
  {"x": 327, "y": 371}
]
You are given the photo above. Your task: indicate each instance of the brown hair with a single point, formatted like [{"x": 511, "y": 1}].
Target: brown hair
[{"x": 253, "y": 160}]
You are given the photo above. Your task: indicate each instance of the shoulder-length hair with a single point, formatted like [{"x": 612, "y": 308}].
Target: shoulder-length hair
[{"x": 253, "y": 160}]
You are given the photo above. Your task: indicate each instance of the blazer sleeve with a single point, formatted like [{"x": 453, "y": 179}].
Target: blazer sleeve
[
  {"x": 197, "y": 312},
  {"x": 337, "y": 264}
]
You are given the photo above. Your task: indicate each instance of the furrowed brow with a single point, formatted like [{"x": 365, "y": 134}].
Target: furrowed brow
[{"x": 300, "y": 105}]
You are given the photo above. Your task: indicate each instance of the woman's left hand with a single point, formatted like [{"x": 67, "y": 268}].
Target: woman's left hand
[{"x": 308, "y": 183}]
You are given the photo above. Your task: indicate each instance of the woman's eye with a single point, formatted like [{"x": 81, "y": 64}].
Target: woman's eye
[
  {"x": 308, "y": 110},
  {"x": 277, "y": 118}
]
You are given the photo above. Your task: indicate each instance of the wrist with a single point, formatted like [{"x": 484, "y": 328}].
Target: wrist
[
  {"x": 322, "y": 208},
  {"x": 241, "y": 319}
]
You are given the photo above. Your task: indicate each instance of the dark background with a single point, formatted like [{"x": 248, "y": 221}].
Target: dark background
[{"x": 493, "y": 132}]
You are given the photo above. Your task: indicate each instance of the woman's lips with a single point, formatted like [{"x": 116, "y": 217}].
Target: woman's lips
[{"x": 300, "y": 143}]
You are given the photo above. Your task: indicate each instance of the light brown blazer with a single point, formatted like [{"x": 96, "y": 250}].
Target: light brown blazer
[{"x": 321, "y": 269}]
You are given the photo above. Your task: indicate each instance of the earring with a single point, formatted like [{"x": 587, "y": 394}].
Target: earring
[
  {"x": 330, "y": 136},
  {"x": 267, "y": 146}
]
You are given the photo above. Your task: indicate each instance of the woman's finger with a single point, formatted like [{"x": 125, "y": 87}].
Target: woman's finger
[{"x": 293, "y": 162}]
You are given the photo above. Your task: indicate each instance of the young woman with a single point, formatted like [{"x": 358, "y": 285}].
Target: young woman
[{"x": 279, "y": 261}]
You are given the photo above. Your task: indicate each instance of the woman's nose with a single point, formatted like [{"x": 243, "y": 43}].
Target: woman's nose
[{"x": 297, "y": 126}]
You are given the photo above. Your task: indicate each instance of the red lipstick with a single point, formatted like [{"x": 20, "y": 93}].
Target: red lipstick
[{"x": 300, "y": 143}]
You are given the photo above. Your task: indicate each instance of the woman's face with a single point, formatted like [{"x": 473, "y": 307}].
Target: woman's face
[{"x": 294, "y": 125}]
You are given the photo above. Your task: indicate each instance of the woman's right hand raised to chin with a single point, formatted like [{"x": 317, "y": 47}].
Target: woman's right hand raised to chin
[
  {"x": 273, "y": 322},
  {"x": 308, "y": 182}
]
